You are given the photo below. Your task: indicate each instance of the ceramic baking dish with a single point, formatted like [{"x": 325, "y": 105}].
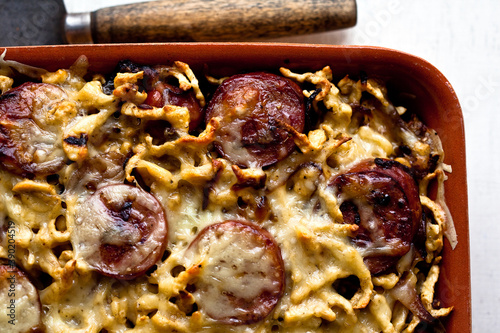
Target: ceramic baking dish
[{"x": 419, "y": 85}]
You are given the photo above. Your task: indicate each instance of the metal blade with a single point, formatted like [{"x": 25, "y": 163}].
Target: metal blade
[{"x": 27, "y": 22}]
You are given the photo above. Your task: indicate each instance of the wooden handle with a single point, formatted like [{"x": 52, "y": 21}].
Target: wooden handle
[{"x": 218, "y": 20}]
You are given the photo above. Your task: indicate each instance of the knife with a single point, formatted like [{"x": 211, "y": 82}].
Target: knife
[{"x": 207, "y": 20}]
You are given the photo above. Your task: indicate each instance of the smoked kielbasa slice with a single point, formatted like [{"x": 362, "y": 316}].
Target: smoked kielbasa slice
[
  {"x": 253, "y": 109},
  {"x": 382, "y": 198},
  {"x": 167, "y": 94},
  {"x": 241, "y": 272},
  {"x": 29, "y": 142},
  {"x": 121, "y": 231}
]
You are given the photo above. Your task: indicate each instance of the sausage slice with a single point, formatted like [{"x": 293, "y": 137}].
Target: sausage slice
[
  {"x": 29, "y": 144},
  {"x": 252, "y": 109},
  {"x": 241, "y": 276},
  {"x": 121, "y": 231},
  {"x": 167, "y": 94},
  {"x": 382, "y": 198}
]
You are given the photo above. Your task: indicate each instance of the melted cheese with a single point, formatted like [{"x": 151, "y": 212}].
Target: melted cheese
[
  {"x": 197, "y": 188},
  {"x": 21, "y": 307}
]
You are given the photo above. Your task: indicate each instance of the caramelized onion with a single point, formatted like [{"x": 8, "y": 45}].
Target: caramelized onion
[{"x": 405, "y": 291}]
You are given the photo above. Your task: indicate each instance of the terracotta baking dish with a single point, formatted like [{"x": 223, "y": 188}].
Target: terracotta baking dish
[{"x": 417, "y": 84}]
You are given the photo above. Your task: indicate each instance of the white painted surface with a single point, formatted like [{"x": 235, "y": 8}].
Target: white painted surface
[{"x": 462, "y": 39}]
